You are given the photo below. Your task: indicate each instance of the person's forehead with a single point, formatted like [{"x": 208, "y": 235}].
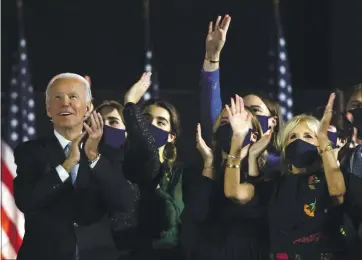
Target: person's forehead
[
  {"x": 251, "y": 100},
  {"x": 68, "y": 83},
  {"x": 110, "y": 112},
  {"x": 301, "y": 127},
  {"x": 157, "y": 111}
]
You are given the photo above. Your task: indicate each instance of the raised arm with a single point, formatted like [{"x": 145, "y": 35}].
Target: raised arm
[
  {"x": 141, "y": 160},
  {"x": 210, "y": 77},
  {"x": 240, "y": 121},
  {"x": 335, "y": 180}
]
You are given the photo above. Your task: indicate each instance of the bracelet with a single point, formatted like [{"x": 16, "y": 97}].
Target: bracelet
[
  {"x": 234, "y": 166},
  {"x": 327, "y": 148},
  {"x": 212, "y": 61},
  {"x": 93, "y": 161},
  {"x": 234, "y": 157},
  {"x": 208, "y": 168}
]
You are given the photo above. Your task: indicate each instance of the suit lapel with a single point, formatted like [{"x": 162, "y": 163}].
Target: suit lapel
[{"x": 54, "y": 152}]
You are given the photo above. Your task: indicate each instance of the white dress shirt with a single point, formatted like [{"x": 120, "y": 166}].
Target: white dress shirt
[{"x": 63, "y": 174}]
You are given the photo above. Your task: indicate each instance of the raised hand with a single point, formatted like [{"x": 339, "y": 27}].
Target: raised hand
[
  {"x": 216, "y": 37},
  {"x": 239, "y": 118},
  {"x": 136, "y": 92},
  {"x": 322, "y": 134},
  {"x": 95, "y": 132},
  {"x": 202, "y": 147}
]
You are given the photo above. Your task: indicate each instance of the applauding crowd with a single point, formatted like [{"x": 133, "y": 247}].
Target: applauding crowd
[{"x": 107, "y": 182}]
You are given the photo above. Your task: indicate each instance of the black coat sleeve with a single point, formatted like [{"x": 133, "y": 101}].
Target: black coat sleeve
[
  {"x": 141, "y": 161},
  {"x": 36, "y": 185},
  {"x": 112, "y": 184}
]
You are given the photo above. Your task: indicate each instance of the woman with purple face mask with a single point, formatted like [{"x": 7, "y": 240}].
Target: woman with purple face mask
[
  {"x": 150, "y": 161},
  {"x": 215, "y": 226},
  {"x": 267, "y": 110},
  {"x": 310, "y": 198},
  {"x": 123, "y": 224}
]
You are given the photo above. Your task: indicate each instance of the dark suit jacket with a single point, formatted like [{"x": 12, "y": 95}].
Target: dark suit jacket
[{"x": 59, "y": 215}]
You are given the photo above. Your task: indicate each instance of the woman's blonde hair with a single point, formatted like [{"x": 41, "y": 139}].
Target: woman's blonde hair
[
  {"x": 254, "y": 124},
  {"x": 312, "y": 123}
]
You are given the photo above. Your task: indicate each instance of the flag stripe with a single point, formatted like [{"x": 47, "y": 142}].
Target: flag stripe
[
  {"x": 8, "y": 204},
  {"x": 8, "y": 157},
  {"x": 9, "y": 228},
  {"x": 6, "y": 177},
  {"x": 7, "y": 251}
]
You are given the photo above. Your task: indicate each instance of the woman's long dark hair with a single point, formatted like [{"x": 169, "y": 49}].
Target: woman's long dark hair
[{"x": 170, "y": 152}]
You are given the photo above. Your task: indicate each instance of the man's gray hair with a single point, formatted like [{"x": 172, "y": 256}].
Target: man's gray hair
[{"x": 69, "y": 75}]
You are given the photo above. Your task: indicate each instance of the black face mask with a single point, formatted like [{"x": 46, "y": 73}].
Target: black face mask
[
  {"x": 357, "y": 120},
  {"x": 301, "y": 154},
  {"x": 224, "y": 135}
]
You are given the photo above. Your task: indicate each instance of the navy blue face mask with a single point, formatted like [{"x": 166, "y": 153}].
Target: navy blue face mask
[
  {"x": 264, "y": 122},
  {"x": 161, "y": 136},
  {"x": 301, "y": 154},
  {"x": 333, "y": 137},
  {"x": 114, "y": 137},
  {"x": 224, "y": 135}
]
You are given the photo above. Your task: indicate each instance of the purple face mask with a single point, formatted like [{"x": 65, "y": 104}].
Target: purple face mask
[
  {"x": 114, "y": 137},
  {"x": 224, "y": 135},
  {"x": 333, "y": 137},
  {"x": 264, "y": 122},
  {"x": 161, "y": 136}
]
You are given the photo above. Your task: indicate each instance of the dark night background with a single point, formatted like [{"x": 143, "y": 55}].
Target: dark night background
[{"x": 105, "y": 39}]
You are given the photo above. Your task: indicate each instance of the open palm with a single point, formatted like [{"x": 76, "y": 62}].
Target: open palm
[
  {"x": 135, "y": 93},
  {"x": 327, "y": 117},
  {"x": 202, "y": 147},
  {"x": 240, "y": 119},
  {"x": 216, "y": 36}
]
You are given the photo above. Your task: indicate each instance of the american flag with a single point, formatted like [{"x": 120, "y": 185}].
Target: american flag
[
  {"x": 20, "y": 126},
  {"x": 153, "y": 90},
  {"x": 285, "y": 97}
]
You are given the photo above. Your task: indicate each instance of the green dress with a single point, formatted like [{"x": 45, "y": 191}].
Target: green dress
[{"x": 169, "y": 197}]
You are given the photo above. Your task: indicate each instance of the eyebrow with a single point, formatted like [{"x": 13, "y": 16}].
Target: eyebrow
[
  {"x": 158, "y": 117},
  {"x": 253, "y": 106},
  {"x": 112, "y": 118},
  {"x": 305, "y": 133},
  {"x": 162, "y": 118}
]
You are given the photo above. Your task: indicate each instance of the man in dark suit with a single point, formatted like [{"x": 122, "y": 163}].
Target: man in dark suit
[{"x": 65, "y": 213}]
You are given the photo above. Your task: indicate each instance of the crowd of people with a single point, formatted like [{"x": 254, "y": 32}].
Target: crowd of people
[{"x": 107, "y": 183}]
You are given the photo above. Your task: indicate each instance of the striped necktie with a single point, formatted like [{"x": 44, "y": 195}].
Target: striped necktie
[{"x": 74, "y": 171}]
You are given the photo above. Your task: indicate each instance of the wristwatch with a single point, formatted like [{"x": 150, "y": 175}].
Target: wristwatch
[{"x": 93, "y": 161}]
